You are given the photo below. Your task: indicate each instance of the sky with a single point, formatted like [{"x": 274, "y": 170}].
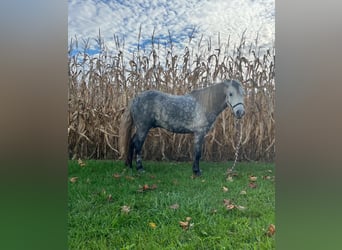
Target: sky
[{"x": 179, "y": 18}]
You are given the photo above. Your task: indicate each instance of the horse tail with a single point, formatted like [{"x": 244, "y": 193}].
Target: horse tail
[{"x": 125, "y": 132}]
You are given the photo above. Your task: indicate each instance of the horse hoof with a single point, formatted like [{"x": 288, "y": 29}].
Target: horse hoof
[
  {"x": 197, "y": 173},
  {"x": 141, "y": 171}
]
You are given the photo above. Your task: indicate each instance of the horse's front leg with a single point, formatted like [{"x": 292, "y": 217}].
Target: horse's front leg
[{"x": 198, "y": 140}]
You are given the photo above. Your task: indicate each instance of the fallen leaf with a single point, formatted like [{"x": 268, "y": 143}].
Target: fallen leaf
[
  {"x": 110, "y": 198},
  {"x": 125, "y": 209},
  {"x": 267, "y": 177},
  {"x": 243, "y": 192},
  {"x": 253, "y": 178},
  {"x": 116, "y": 176},
  {"x": 154, "y": 186},
  {"x": 152, "y": 177},
  {"x": 230, "y": 206},
  {"x": 252, "y": 185},
  {"x": 152, "y": 225},
  {"x": 271, "y": 230},
  {"x": 241, "y": 208},
  {"x": 145, "y": 187},
  {"x": 225, "y": 189},
  {"x": 81, "y": 163},
  {"x": 230, "y": 178},
  {"x": 73, "y": 179},
  {"x": 214, "y": 211},
  {"x": 184, "y": 224},
  {"x": 174, "y": 206},
  {"x": 129, "y": 177},
  {"x": 227, "y": 202}
]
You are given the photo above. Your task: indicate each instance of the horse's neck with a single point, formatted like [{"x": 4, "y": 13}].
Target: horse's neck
[{"x": 212, "y": 99}]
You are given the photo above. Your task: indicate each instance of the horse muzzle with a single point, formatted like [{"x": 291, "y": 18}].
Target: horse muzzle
[{"x": 239, "y": 110}]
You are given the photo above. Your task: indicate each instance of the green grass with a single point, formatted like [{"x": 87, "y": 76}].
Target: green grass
[{"x": 97, "y": 221}]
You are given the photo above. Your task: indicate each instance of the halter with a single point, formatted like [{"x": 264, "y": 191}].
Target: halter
[{"x": 239, "y": 103}]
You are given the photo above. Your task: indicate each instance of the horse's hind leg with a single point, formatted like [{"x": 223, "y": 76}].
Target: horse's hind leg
[
  {"x": 130, "y": 154},
  {"x": 138, "y": 142}
]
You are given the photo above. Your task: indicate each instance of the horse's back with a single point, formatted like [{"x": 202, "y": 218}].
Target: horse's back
[{"x": 175, "y": 113}]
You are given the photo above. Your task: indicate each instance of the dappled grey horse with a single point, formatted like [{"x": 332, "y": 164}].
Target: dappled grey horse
[{"x": 194, "y": 113}]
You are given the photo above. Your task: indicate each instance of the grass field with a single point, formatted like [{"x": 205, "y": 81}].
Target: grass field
[{"x": 165, "y": 208}]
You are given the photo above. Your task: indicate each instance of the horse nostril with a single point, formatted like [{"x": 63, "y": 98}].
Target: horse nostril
[{"x": 240, "y": 113}]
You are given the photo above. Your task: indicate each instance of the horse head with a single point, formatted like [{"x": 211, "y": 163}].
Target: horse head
[{"x": 235, "y": 97}]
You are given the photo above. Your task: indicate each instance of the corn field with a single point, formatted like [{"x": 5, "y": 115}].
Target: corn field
[{"x": 100, "y": 87}]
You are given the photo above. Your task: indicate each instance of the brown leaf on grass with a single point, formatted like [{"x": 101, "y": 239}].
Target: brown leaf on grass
[
  {"x": 186, "y": 224},
  {"x": 174, "y": 206},
  {"x": 241, "y": 208},
  {"x": 227, "y": 202},
  {"x": 116, "y": 176},
  {"x": 267, "y": 177},
  {"x": 253, "y": 178},
  {"x": 73, "y": 179},
  {"x": 146, "y": 187},
  {"x": 125, "y": 209},
  {"x": 243, "y": 192},
  {"x": 271, "y": 230},
  {"x": 230, "y": 206},
  {"x": 230, "y": 178},
  {"x": 213, "y": 211},
  {"x": 109, "y": 198},
  {"x": 130, "y": 178},
  {"x": 252, "y": 185},
  {"x": 224, "y": 189},
  {"x": 81, "y": 163},
  {"x": 152, "y": 176}
]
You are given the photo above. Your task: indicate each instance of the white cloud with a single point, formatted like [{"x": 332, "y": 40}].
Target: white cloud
[{"x": 123, "y": 18}]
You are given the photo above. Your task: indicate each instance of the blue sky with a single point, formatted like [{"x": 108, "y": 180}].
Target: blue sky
[{"x": 179, "y": 17}]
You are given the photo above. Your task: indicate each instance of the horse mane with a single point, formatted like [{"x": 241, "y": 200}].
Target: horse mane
[{"x": 211, "y": 98}]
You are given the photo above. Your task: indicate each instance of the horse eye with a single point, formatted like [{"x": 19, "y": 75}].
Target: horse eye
[{"x": 230, "y": 94}]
